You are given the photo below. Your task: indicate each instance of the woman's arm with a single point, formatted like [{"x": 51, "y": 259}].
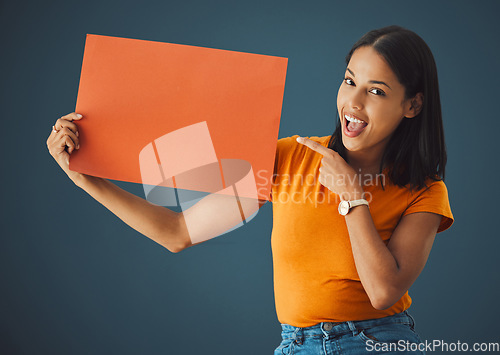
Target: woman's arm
[
  {"x": 155, "y": 222},
  {"x": 215, "y": 214},
  {"x": 208, "y": 218},
  {"x": 387, "y": 272}
]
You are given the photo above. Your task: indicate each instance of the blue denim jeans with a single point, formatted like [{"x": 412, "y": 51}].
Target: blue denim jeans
[{"x": 393, "y": 334}]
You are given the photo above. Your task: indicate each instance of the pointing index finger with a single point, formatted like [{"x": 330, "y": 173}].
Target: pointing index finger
[{"x": 314, "y": 145}]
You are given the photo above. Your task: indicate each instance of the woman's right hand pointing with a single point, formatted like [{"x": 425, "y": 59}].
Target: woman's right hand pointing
[{"x": 65, "y": 135}]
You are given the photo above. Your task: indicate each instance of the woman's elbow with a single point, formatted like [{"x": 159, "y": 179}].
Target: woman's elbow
[
  {"x": 385, "y": 300},
  {"x": 175, "y": 250},
  {"x": 175, "y": 246},
  {"x": 176, "y": 238},
  {"x": 381, "y": 304}
]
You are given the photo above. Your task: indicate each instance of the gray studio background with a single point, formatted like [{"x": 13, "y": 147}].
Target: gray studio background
[{"x": 77, "y": 280}]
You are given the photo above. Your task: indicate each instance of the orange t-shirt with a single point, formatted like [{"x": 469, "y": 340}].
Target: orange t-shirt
[{"x": 315, "y": 278}]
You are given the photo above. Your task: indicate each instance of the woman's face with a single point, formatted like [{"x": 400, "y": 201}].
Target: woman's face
[{"x": 379, "y": 105}]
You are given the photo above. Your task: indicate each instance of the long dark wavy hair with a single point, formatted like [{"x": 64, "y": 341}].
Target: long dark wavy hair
[{"x": 416, "y": 150}]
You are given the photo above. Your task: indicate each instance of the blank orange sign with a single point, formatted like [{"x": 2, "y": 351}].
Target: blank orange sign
[{"x": 203, "y": 105}]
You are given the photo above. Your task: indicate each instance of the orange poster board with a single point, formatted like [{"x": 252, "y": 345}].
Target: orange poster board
[{"x": 177, "y": 107}]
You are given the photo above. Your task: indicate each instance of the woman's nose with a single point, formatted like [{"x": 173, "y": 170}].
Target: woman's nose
[{"x": 356, "y": 99}]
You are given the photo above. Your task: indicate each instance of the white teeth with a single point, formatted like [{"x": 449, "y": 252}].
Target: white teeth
[{"x": 352, "y": 119}]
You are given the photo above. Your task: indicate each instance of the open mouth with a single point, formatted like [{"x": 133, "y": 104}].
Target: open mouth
[{"x": 353, "y": 126}]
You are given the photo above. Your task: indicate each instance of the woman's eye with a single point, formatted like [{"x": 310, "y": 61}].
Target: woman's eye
[
  {"x": 381, "y": 92},
  {"x": 348, "y": 81}
]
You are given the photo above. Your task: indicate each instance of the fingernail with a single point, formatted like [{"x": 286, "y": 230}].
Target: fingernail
[
  {"x": 78, "y": 146},
  {"x": 77, "y": 134},
  {"x": 78, "y": 115}
]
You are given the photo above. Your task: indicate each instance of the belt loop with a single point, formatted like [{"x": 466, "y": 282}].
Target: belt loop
[
  {"x": 412, "y": 321},
  {"x": 298, "y": 335},
  {"x": 325, "y": 333},
  {"x": 353, "y": 328}
]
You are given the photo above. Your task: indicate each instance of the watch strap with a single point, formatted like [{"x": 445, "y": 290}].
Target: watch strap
[{"x": 359, "y": 202}]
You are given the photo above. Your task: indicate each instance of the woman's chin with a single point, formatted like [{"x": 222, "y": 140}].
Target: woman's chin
[{"x": 349, "y": 145}]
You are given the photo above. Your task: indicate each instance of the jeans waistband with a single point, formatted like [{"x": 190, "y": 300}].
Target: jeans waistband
[{"x": 338, "y": 328}]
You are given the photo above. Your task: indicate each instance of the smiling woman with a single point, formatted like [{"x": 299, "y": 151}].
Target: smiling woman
[
  {"x": 391, "y": 84},
  {"x": 343, "y": 265},
  {"x": 343, "y": 262},
  {"x": 376, "y": 114}
]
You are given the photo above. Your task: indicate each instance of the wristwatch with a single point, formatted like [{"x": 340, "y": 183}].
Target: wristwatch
[{"x": 345, "y": 206}]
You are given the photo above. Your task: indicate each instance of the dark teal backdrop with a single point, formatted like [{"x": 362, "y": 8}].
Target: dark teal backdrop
[{"x": 77, "y": 280}]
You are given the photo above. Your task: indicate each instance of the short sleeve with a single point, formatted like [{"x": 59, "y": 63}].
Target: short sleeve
[
  {"x": 273, "y": 178},
  {"x": 433, "y": 199},
  {"x": 283, "y": 149}
]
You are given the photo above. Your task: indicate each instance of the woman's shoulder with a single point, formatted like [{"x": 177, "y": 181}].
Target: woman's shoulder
[
  {"x": 432, "y": 184},
  {"x": 290, "y": 154},
  {"x": 432, "y": 198},
  {"x": 429, "y": 182},
  {"x": 291, "y": 141}
]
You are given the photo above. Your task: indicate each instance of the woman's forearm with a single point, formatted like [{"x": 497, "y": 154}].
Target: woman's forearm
[
  {"x": 377, "y": 268},
  {"x": 155, "y": 222}
]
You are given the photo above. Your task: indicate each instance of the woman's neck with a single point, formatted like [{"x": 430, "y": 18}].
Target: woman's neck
[{"x": 366, "y": 164}]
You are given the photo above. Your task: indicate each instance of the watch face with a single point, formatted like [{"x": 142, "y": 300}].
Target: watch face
[{"x": 343, "y": 208}]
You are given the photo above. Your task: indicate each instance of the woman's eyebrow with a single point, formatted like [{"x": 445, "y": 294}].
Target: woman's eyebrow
[{"x": 371, "y": 81}]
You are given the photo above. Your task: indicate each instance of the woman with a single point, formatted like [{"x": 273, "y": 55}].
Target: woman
[
  {"x": 341, "y": 280},
  {"x": 354, "y": 214}
]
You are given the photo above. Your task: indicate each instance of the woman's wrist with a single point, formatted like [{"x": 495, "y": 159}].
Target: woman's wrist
[{"x": 353, "y": 193}]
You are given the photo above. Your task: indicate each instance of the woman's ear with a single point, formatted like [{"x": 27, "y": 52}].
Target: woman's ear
[{"x": 415, "y": 106}]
